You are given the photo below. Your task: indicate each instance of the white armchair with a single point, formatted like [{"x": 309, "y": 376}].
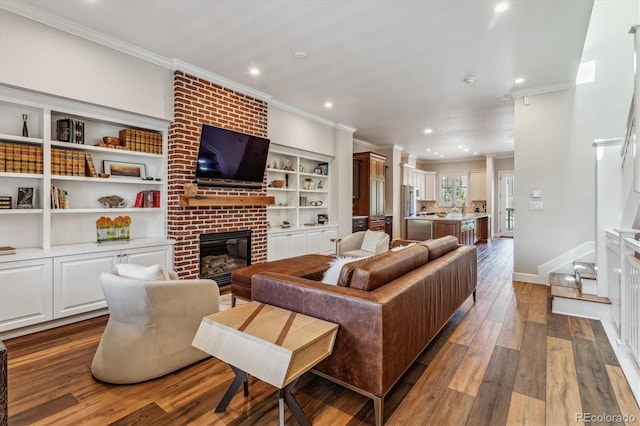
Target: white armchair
[
  {"x": 363, "y": 244},
  {"x": 151, "y": 326}
]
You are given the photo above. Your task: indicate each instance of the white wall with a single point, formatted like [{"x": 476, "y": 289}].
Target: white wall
[
  {"x": 289, "y": 129},
  {"x": 37, "y": 57},
  {"x": 553, "y": 137}
]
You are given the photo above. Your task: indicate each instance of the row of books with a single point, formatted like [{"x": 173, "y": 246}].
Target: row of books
[
  {"x": 137, "y": 140},
  {"x": 149, "y": 198},
  {"x": 69, "y": 162},
  {"x": 17, "y": 158},
  {"x": 59, "y": 198}
]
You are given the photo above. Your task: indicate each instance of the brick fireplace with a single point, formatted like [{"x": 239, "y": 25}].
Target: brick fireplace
[{"x": 198, "y": 101}]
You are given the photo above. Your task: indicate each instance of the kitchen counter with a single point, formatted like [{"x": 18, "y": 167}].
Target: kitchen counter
[
  {"x": 457, "y": 218},
  {"x": 469, "y": 228}
]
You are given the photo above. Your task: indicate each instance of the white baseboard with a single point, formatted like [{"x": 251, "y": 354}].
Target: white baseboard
[
  {"x": 530, "y": 278},
  {"x": 51, "y": 324}
]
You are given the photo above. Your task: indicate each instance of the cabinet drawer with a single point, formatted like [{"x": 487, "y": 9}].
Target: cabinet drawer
[{"x": 376, "y": 224}]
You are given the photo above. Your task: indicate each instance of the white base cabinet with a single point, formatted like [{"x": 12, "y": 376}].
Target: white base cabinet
[
  {"x": 281, "y": 246},
  {"x": 320, "y": 241},
  {"x": 25, "y": 293},
  {"x": 66, "y": 282},
  {"x": 296, "y": 242}
]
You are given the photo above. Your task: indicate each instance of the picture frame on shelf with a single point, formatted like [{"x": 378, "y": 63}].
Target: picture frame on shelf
[
  {"x": 324, "y": 168},
  {"x": 323, "y": 218},
  {"x": 25, "y": 197},
  {"x": 121, "y": 169}
]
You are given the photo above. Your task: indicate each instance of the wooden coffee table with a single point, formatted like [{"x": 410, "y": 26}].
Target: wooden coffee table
[{"x": 273, "y": 344}]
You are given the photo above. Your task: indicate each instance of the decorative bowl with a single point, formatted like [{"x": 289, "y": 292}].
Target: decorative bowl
[{"x": 277, "y": 183}]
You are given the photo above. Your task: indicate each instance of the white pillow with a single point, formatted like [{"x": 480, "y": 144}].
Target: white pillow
[
  {"x": 144, "y": 273},
  {"x": 332, "y": 274},
  {"x": 371, "y": 240},
  {"x": 398, "y": 248}
]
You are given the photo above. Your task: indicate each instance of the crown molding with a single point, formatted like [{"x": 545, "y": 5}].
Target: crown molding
[
  {"x": 539, "y": 90},
  {"x": 302, "y": 113},
  {"x": 607, "y": 142},
  {"x": 364, "y": 143},
  {"x": 81, "y": 31},
  {"x": 342, "y": 126},
  {"x": 179, "y": 65}
]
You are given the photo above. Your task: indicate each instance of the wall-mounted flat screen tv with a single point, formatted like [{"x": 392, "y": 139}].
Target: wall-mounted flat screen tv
[{"x": 229, "y": 158}]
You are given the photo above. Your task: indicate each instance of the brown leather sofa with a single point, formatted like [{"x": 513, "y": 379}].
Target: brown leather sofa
[{"x": 389, "y": 307}]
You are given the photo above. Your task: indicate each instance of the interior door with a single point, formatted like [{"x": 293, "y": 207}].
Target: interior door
[{"x": 507, "y": 203}]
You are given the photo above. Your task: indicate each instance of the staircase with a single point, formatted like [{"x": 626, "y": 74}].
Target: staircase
[{"x": 576, "y": 294}]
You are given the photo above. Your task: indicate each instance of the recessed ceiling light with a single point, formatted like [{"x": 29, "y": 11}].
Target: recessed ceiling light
[
  {"x": 519, "y": 80},
  {"x": 428, "y": 149},
  {"x": 254, "y": 71},
  {"x": 328, "y": 104},
  {"x": 441, "y": 155},
  {"x": 460, "y": 146},
  {"x": 466, "y": 150},
  {"x": 299, "y": 55},
  {"x": 501, "y": 7},
  {"x": 435, "y": 153},
  {"x": 428, "y": 131},
  {"x": 475, "y": 153}
]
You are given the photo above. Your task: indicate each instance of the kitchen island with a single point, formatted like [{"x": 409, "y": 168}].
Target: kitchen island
[{"x": 468, "y": 228}]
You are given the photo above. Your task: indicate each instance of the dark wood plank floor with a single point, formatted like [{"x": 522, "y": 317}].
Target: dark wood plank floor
[{"x": 504, "y": 360}]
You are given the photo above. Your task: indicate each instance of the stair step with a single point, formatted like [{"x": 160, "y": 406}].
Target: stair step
[
  {"x": 558, "y": 279},
  {"x": 576, "y": 294},
  {"x": 587, "y": 270}
]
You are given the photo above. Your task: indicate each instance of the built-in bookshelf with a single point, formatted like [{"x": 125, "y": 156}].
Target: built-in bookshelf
[
  {"x": 300, "y": 186},
  {"x": 68, "y": 179}
]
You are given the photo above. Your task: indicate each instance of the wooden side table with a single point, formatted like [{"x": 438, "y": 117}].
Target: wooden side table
[{"x": 273, "y": 344}]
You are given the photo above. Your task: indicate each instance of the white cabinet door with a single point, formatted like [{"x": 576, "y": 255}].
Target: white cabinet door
[
  {"x": 161, "y": 255},
  {"x": 429, "y": 186},
  {"x": 25, "y": 293},
  {"x": 407, "y": 175},
  {"x": 297, "y": 244},
  {"x": 319, "y": 241},
  {"x": 277, "y": 247},
  {"x": 477, "y": 185},
  {"x": 76, "y": 282}
]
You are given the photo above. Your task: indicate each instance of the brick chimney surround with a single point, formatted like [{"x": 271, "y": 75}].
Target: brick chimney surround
[{"x": 196, "y": 102}]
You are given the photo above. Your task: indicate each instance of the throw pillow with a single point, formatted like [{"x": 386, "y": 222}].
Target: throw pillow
[
  {"x": 371, "y": 240},
  {"x": 332, "y": 274},
  {"x": 144, "y": 273}
]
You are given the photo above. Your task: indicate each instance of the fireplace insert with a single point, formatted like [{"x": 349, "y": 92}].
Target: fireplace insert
[{"x": 223, "y": 252}]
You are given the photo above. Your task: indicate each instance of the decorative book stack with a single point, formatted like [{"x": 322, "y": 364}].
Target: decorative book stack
[{"x": 7, "y": 250}]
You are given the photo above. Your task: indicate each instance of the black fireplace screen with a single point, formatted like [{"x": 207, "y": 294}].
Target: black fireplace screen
[{"x": 223, "y": 252}]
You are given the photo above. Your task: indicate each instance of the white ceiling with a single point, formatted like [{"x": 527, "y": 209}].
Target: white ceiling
[{"x": 391, "y": 68}]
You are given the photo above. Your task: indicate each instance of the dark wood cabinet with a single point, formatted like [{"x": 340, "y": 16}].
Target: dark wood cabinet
[
  {"x": 371, "y": 188},
  {"x": 466, "y": 231},
  {"x": 359, "y": 224},
  {"x": 388, "y": 225}
]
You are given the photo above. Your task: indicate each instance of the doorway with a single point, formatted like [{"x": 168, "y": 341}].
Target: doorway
[{"x": 506, "y": 196}]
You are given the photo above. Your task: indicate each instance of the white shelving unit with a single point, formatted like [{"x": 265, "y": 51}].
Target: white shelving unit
[
  {"x": 44, "y": 227},
  {"x": 303, "y": 198},
  {"x": 53, "y": 278}
]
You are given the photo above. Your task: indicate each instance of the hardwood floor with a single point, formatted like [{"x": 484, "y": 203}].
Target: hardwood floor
[{"x": 504, "y": 360}]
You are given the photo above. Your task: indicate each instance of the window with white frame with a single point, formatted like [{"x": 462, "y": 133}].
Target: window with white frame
[{"x": 453, "y": 190}]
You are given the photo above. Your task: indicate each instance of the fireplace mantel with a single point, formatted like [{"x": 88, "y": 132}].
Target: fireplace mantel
[{"x": 227, "y": 200}]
